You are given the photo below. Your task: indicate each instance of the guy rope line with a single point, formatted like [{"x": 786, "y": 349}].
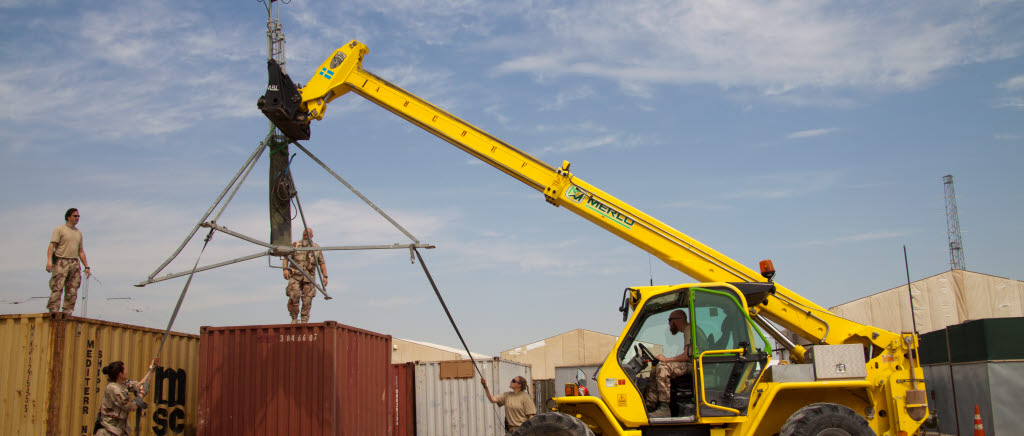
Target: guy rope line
[
  {"x": 177, "y": 307},
  {"x": 452, "y": 321}
]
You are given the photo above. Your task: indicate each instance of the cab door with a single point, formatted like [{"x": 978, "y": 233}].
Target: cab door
[{"x": 729, "y": 352}]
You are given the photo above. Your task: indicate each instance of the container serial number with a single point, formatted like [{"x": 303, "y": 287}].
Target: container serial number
[{"x": 299, "y": 338}]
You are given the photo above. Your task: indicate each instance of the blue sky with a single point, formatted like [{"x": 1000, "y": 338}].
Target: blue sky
[{"x": 812, "y": 133}]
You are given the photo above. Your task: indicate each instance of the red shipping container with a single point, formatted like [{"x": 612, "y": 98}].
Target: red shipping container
[
  {"x": 403, "y": 399},
  {"x": 309, "y": 379}
]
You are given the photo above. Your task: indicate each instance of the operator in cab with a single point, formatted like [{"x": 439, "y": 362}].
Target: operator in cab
[{"x": 670, "y": 367}]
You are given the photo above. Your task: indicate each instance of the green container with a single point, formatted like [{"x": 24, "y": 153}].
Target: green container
[
  {"x": 985, "y": 340},
  {"x": 933, "y": 348}
]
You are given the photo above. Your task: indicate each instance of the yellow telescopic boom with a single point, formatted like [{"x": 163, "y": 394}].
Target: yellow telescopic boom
[{"x": 292, "y": 109}]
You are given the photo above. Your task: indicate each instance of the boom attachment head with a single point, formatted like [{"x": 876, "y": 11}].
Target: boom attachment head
[{"x": 282, "y": 104}]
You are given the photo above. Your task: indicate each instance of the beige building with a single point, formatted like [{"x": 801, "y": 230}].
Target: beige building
[
  {"x": 405, "y": 350},
  {"x": 574, "y": 348},
  {"x": 939, "y": 301}
]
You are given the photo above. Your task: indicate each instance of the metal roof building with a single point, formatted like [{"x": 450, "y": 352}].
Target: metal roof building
[
  {"x": 573, "y": 348},
  {"x": 939, "y": 301},
  {"x": 407, "y": 350}
]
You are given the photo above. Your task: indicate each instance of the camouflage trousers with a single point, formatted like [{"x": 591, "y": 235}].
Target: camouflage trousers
[
  {"x": 663, "y": 374},
  {"x": 65, "y": 276},
  {"x": 300, "y": 288}
]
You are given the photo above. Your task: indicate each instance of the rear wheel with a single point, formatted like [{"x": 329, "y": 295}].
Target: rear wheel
[
  {"x": 826, "y": 419},
  {"x": 553, "y": 424}
]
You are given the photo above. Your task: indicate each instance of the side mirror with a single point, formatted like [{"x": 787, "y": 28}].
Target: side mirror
[{"x": 626, "y": 298}]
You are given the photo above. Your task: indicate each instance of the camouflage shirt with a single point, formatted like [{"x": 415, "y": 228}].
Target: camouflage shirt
[
  {"x": 307, "y": 260},
  {"x": 114, "y": 408}
]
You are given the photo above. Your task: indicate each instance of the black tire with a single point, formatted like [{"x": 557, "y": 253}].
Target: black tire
[
  {"x": 553, "y": 424},
  {"x": 826, "y": 419}
]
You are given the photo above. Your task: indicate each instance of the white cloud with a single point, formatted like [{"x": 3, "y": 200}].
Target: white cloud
[
  {"x": 1013, "y": 84},
  {"x": 495, "y": 111},
  {"x": 128, "y": 71},
  {"x": 811, "y": 133},
  {"x": 788, "y": 185},
  {"x": 1011, "y": 102},
  {"x": 565, "y": 97},
  {"x": 780, "y": 47},
  {"x": 585, "y": 127},
  {"x": 354, "y": 223},
  {"x": 611, "y": 140}
]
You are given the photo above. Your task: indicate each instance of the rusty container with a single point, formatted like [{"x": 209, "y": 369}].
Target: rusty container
[
  {"x": 403, "y": 399},
  {"x": 51, "y": 382},
  {"x": 294, "y": 379}
]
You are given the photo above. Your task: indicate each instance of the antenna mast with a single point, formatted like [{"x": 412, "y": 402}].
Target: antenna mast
[
  {"x": 275, "y": 36},
  {"x": 956, "y": 245}
]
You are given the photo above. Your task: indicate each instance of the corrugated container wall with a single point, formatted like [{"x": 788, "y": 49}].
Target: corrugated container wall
[
  {"x": 403, "y": 399},
  {"x": 543, "y": 392},
  {"x": 456, "y": 404},
  {"x": 52, "y": 382},
  {"x": 308, "y": 379}
]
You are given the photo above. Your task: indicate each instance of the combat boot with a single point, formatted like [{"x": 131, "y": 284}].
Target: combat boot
[{"x": 662, "y": 411}]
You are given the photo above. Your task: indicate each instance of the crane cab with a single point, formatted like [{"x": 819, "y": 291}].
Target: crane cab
[{"x": 727, "y": 354}]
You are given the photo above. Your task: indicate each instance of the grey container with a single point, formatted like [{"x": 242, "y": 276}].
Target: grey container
[
  {"x": 458, "y": 406},
  {"x": 938, "y": 379},
  {"x": 543, "y": 392},
  {"x": 995, "y": 387}
]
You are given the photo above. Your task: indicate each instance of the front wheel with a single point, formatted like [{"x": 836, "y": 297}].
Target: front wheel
[
  {"x": 826, "y": 419},
  {"x": 553, "y": 424}
]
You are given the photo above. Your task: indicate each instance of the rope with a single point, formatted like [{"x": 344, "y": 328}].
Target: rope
[
  {"x": 167, "y": 331},
  {"x": 452, "y": 321}
]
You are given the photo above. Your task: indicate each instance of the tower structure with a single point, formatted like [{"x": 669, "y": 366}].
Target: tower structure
[
  {"x": 956, "y": 245},
  {"x": 282, "y": 187}
]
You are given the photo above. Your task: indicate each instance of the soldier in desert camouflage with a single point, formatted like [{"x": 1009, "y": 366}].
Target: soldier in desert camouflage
[
  {"x": 670, "y": 367},
  {"x": 298, "y": 285},
  {"x": 64, "y": 257}
]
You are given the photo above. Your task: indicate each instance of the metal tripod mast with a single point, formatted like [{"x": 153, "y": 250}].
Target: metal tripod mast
[
  {"x": 282, "y": 187},
  {"x": 282, "y": 190},
  {"x": 956, "y": 244}
]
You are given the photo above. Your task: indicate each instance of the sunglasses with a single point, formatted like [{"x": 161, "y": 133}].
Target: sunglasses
[
  {"x": 74, "y": 216},
  {"x": 515, "y": 381}
]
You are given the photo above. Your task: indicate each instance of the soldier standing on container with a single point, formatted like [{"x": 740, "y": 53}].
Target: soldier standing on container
[
  {"x": 298, "y": 285},
  {"x": 63, "y": 256},
  {"x": 518, "y": 403},
  {"x": 117, "y": 400}
]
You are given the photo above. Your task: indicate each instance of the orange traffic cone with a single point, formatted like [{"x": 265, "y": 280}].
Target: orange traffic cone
[{"x": 979, "y": 429}]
